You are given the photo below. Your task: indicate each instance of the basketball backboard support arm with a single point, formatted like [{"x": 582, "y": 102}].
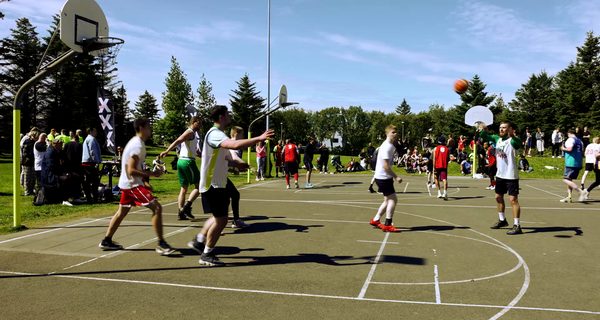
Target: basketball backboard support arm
[{"x": 46, "y": 71}]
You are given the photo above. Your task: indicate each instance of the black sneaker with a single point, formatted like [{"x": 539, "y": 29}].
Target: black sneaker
[
  {"x": 109, "y": 245},
  {"x": 209, "y": 259},
  {"x": 187, "y": 210},
  {"x": 164, "y": 248},
  {"x": 499, "y": 224},
  {"x": 196, "y": 245},
  {"x": 181, "y": 215},
  {"x": 516, "y": 229}
]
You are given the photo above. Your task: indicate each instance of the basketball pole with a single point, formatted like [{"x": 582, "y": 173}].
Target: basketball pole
[
  {"x": 268, "y": 154},
  {"x": 51, "y": 68}
]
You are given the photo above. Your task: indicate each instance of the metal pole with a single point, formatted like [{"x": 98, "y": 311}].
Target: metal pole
[
  {"x": 51, "y": 68},
  {"x": 402, "y": 130},
  {"x": 268, "y": 84}
]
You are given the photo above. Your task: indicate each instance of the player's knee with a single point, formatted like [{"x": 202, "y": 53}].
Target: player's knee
[{"x": 157, "y": 208}]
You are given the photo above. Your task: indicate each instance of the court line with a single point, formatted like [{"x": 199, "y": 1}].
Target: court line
[
  {"x": 438, "y": 299},
  {"x": 406, "y": 187},
  {"x": 376, "y": 242},
  {"x": 554, "y": 194},
  {"x": 47, "y": 231},
  {"x": 370, "y": 276},
  {"x": 316, "y": 184},
  {"x": 299, "y": 294}
]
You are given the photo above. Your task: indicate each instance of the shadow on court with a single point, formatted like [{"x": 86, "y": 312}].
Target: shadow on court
[
  {"x": 434, "y": 228},
  {"x": 218, "y": 250},
  {"x": 275, "y": 226},
  {"x": 577, "y": 230},
  {"x": 466, "y": 198}
]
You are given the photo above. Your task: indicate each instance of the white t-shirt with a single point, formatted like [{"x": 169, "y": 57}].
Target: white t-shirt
[
  {"x": 135, "y": 146},
  {"x": 188, "y": 148},
  {"x": 214, "y": 167},
  {"x": 39, "y": 157},
  {"x": 386, "y": 154},
  {"x": 590, "y": 152}
]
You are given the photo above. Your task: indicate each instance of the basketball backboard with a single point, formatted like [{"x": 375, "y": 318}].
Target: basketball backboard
[
  {"x": 479, "y": 114},
  {"x": 282, "y": 95},
  {"x": 81, "y": 20}
]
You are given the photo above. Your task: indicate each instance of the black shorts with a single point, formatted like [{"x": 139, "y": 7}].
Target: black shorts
[
  {"x": 386, "y": 186},
  {"x": 507, "y": 185},
  {"x": 308, "y": 164},
  {"x": 291, "y": 167},
  {"x": 216, "y": 201},
  {"x": 589, "y": 167}
]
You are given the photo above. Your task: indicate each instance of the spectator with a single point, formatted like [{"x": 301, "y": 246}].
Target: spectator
[
  {"x": 39, "y": 150},
  {"x": 79, "y": 137},
  {"x": 462, "y": 156},
  {"x": 426, "y": 142},
  {"x": 403, "y": 161},
  {"x": 260, "y": 160},
  {"x": 28, "y": 162},
  {"x": 491, "y": 168},
  {"x": 90, "y": 160},
  {"x": 557, "y": 139},
  {"x": 451, "y": 144},
  {"x": 539, "y": 138},
  {"x": 461, "y": 143},
  {"x": 370, "y": 154},
  {"x": 586, "y": 137},
  {"x": 465, "y": 166},
  {"x": 52, "y": 135},
  {"x": 73, "y": 152},
  {"x": 524, "y": 164},
  {"x": 55, "y": 182},
  {"x": 322, "y": 162},
  {"x": 527, "y": 142},
  {"x": 64, "y": 137},
  {"x": 158, "y": 165}
]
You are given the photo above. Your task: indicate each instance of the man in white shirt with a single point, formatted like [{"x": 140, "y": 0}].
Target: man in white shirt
[
  {"x": 557, "y": 138},
  {"x": 591, "y": 150},
  {"x": 384, "y": 177},
  {"x": 216, "y": 160},
  {"x": 136, "y": 191}
]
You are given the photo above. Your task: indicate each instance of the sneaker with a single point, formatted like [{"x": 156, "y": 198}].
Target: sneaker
[
  {"x": 499, "y": 224},
  {"x": 262, "y": 179},
  {"x": 67, "y": 203},
  {"x": 552, "y": 157},
  {"x": 288, "y": 186},
  {"x": 375, "y": 223},
  {"x": 516, "y": 229},
  {"x": 428, "y": 185},
  {"x": 433, "y": 186},
  {"x": 439, "y": 195},
  {"x": 239, "y": 224},
  {"x": 488, "y": 188},
  {"x": 198, "y": 246},
  {"x": 296, "y": 184},
  {"x": 445, "y": 197},
  {"x": 379, "y": 191},
  {"x": 308, "y": 186},
  {"x": 493, "y": 188},
  {"x": 390, "y": 228},
  {"x": 257, "y": 179},
  {"x": 164, "y": 248},
  {"x": 110, "y": 245},
  {"x": 181, "y": 215},
  {"x": 209, "y": 259},
  {"x": 566, "y": 200},
  {"x": 582, "y": 186},
  {"x": 188, "y": 212},
  {"x": 583, "y": 195},
  {"x": 371, "y": 189}
]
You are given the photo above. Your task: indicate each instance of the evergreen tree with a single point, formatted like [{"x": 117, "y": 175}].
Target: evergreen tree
[
  {"x": 174, "y": 103},
  {"x": 535, "y": 102},
  {"x": 2, "y": 14},
  {"x": 121, "y": 111},
  {"x": 147, "y": 107},
  {"x": 246, "y": 105},
  {"x": 206, "y": 100},
  {"x": 475, "y": 96},
  {"x": 19, "y": 55},
  {"x": 403, "y": 108}
]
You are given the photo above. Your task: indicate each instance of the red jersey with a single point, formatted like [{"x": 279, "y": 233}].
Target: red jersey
[
  {"x": 491, "y": 154},
  {"x": 461, "y": 144},
  {"x": 291, "y": 154},
  {"x": 441, "y": 157}
]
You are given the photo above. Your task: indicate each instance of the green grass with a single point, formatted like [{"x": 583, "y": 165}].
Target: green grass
[{"x": 167, "y": 188}]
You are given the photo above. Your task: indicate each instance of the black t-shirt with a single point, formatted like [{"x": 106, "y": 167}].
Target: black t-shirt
[
  {"x": 324, "y": 154},
  {"x": 309, "y": 152},
  {"x": 426, "y": 142},
  {"x": 370, "y": 151},
  {"x": 73, "y": 152}
]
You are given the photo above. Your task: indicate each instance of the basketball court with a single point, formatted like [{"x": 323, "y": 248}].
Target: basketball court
[{"x": 312, "y": 252}]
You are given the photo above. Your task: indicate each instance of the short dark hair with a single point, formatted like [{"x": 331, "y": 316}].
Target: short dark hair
[
  {"x": 195, "y": 119},
  {"x": 140, "y": 122},
  {"x": 217, "y": 111},
  {"x": 89, "y": 130},
  {"x": 571, "y": 131},
  {"x": 507, "y": 123},
  {"x": 63, "y": 131}
]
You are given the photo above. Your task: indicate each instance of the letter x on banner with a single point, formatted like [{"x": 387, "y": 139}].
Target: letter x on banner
[{"x": 107, "y": 120}]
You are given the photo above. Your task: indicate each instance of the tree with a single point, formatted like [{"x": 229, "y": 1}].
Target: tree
[
  {"x": 205, "y": 102},
  {"x": 2, "y": 14},
  {"x": 403, "y": 108},
  {"x": 122, "y": 115},
  {"x": 326, "y": 123},
  {"x": 19, "y": 55},
  {"x": 174, "y": 103},
  {"x": 246, "y": 105},
  {"x": 296, "y": 123},
  {"x": 146, "y": 107},
  {"x": 475, "y": 96},
  {"x": 535, "y": 102},
  {"x": 355, "y": 128}
]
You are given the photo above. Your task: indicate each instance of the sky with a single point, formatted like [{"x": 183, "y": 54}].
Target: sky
[{"x": 337, "y": 53}]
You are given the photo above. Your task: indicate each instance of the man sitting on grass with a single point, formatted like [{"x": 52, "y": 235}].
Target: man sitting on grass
[{"x": 524, "y": 164}]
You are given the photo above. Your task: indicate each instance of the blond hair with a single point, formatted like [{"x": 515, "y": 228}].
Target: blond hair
[
  {"x": 390, "y": 128},
  {"x": 235, "y": 130},
  {"x": 596, "y": 140}
]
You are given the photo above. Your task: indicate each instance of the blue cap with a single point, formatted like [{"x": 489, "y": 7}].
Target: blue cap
[{"x": 441, "y": 140}]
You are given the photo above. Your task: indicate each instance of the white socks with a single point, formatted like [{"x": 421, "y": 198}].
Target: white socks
[
  {"x": 377, "y": 217},
  {"x": 501, "y": 215},
  {"x": 200, "y": 238},
  {"x": 208, "y": 250},
  {"x": 517, "y": 222}
]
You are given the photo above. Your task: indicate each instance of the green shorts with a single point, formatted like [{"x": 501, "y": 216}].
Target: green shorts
[{"x": 188, "y": 172}]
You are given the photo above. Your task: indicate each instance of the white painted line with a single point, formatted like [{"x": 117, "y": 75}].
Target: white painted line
[
  {"x": 428, "y": 190},
  {"x": 406, "y": 187},
  {"x": 370, "y": 276},
  {"x": 438, "y": 299},
  {"x": 554, "y": 194},
  {"x": 301, "y": 294},
  {"x": 376, "y": 242},
  {"x": 47, "y": 231},
  {"x": 316, "y": 184}
]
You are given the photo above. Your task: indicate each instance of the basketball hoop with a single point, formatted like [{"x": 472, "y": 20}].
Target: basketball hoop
[
  {"x": 479, "y": 125},
  {"x": 107, "y": 48}
]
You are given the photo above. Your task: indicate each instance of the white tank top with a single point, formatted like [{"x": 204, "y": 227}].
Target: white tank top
[
  {"x": 506, "y": 161},
  {"x": 188, "y": 148}
]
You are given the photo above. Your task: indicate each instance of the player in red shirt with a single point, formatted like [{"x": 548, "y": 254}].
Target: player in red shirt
[
  {"x": 440, "y": 162},
  {"x": 491, "y": 165},
  {"x": 291, "y": 156},
  {"x": 461, "y": 143}
]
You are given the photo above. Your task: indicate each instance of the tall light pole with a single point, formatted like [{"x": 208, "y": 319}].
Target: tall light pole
[
  {"x": 281, "y": 138},
  {"x": 268, "y": 83},
  {"x": 402, "y": 130}
]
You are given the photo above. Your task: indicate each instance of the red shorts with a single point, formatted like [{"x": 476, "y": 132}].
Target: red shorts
[
  {"x": 441, "y": 173},
  {"x": 137, "y": 196}
]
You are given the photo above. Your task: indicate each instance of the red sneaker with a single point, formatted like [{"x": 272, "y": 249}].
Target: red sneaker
[
  {"x": 375, "y": 223},
  {"x": 389, "y": 228}
]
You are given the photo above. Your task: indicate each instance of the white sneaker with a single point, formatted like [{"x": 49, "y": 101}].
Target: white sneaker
[
  {"x": 256, "y": 179},
  {"x": 583, "y": 195},
  {"x": 288, "y": 186},
  {"x": 239, "y": 224},
  {"x": 552, "y": 157},
  {"x": 262, "y": 179},
  {"x": 566, "y": 200},
  {"x": 439, "y": 195},
  {"x": 488, "y": 188},
  {"x": 493, "y": 188},
  {"x": 445, "y": 196},
  {"x": 67, "y": 203},
  {"x": 433, "y": 186},
  {"x": 296, "y": 184},
  {"x": 586, "y": 194}
]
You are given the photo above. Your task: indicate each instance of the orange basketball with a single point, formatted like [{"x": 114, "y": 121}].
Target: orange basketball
[{"x": 461, "y": 86}]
